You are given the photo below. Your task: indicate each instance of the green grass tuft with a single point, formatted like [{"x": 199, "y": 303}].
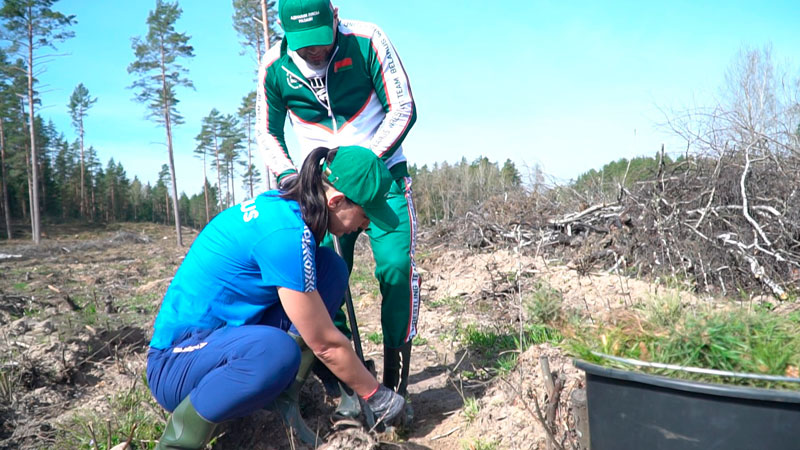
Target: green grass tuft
[
  {"x": 544, "y": 304},
  {"x": 506, "y": 363},
  {"x": 471, "y": 409},
  {"x": 126, "y": 410},
  {"x": 737, "y": 340},
  {"x": 453, "y": 303},
  {"x": 499, "y": 351},
  {"x": 376, "y": 337},
  {"x": 478, "y": 444}
]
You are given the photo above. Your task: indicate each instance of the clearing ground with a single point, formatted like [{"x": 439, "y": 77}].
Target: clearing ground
[{"x": 76, "y": 314}]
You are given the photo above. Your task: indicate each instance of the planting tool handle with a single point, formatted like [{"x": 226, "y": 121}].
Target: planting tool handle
[{"x": 351, "y": 311}]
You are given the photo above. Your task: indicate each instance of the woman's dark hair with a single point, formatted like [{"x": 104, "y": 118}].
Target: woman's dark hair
[{"x": 308, "y": 189}]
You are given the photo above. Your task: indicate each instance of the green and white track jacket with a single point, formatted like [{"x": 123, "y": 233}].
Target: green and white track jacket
[{"x": 362, "y": 97}]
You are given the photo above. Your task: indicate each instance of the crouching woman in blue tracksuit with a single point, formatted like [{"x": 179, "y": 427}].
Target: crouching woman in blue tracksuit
[{"x": 255, "y": 290}]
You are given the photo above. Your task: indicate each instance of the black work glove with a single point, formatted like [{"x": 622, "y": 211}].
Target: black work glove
[{"x": 383, "y": 407}]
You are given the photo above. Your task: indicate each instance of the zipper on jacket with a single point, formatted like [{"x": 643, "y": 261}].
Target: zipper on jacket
[
  {"x": 329, "y": 106},
  {"x": 330, "y": 98}
]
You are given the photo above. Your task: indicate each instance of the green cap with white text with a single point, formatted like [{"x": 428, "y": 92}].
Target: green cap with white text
[
  {"x": 362, "y": 177},
  {"x": 306, "y": 22}
]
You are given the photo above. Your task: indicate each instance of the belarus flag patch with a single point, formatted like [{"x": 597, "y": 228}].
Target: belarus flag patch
[{"x": 344, "y": 64}]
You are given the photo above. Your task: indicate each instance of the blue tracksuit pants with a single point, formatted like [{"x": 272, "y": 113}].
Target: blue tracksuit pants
[{"x": 234, "y": 371}]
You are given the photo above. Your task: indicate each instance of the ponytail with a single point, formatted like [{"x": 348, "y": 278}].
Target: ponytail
[{"x": 308, "y": 189}]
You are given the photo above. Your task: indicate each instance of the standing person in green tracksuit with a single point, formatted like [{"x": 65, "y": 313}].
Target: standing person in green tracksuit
[{"x": 341, "y": 82}]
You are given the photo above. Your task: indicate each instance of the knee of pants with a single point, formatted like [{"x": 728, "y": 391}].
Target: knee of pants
[
  {"x": 275, "y": 369},
  {"x": 261, "y": 361},
  {"x": 332, "y": 278},
  {"x": 393, "y": 268}
]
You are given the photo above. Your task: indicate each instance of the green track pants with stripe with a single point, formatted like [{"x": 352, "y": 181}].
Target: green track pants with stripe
[{"x": 394, "y": 268}]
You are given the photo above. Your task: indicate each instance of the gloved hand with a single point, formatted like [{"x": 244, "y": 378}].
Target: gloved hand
[{"x": 383, "y": 407}]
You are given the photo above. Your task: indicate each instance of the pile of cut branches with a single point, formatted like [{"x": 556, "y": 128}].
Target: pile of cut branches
[
  {"x": 724, "y": 217},
  {"x": 719, "y": 224}
]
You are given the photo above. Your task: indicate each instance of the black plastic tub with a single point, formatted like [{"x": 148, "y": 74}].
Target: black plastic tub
[{"x": 636, "y": 411}]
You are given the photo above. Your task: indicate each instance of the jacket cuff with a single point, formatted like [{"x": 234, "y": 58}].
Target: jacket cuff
[{"x": 285, "y": 175}]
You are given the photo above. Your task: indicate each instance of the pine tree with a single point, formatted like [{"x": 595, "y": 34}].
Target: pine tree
[
  {"x": 115, "y": 189},
  {"x": 93, "y": 171},
  {"x": 163, "y": 188},
  {"x": 147, "y": 212},
  {"x": 160, "y": 74},
  {"x": 17, "y": 161},
  {"x": 64, "y": 167},
  {"x": 47, "y": 139},
  {"x": 32, "y": 25},
  {"x": 10, "y": 91},
  {"x": 208, "y": 140},
  {"x": 231, "y": 146},
  {"x": 186, "y": 209},
  {"x": 136, "y": 195},
  {"x": 509, "y": 174},
  {"x": 4, "y": 182},
  {"x": 79, "y": 104},
  {"x": 110, "y": 184},
  {"x": 201, "y": 151},
  {"x": 247, "y": 113},
  {"x": 252, "y": 32}
]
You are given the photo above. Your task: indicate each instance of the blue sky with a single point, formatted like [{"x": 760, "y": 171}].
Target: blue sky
[{"x": 565, "y": 85}]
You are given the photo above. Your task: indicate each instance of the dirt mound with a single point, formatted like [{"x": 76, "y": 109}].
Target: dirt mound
[
  {"x": 76, "y": 314},
  {"x": 351, "y": 438},
  {"x": 508, "y": 414},
  {"x": 74, "y": 327}
]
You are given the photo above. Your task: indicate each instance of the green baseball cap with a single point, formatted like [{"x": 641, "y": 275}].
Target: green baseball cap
[
  {"x": 306, "y": 22},
  {"x": 362, "y": 177}
]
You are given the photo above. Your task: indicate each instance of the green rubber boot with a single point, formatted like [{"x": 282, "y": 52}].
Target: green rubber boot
[
  {"x": 287, "y": 404},
  {"x": 186, "y": 429}
]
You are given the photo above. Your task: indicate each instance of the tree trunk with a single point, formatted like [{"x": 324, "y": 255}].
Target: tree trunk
[
  {"x": 82, "y": 194},
  {"x": 4, "y": 184},
  {"x": 35, "y": 221},
  {"x": 249, "y": 157},
  {"x": 42, "y": 187},
  {"x": 219, "y": 180},
  {"x": 168, "y": 126},
  {"x": 30, "y": 186},
  {"x": 231, "y": 187},
  {"x": 112, "y": 206},
  {"x": 94, "y": 203},
  {"x": 23, "y": 204},
  {"x": 268, "y": 177},
  {"x": 205, "y": 185},
  {"x": 265, "y": 24}
]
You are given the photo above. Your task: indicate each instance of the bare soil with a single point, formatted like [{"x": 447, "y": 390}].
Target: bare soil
[{"x": 76, "y": 314}]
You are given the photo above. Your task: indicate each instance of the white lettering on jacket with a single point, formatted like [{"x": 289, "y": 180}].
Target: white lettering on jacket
[{"x": 249, "y": 209}]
